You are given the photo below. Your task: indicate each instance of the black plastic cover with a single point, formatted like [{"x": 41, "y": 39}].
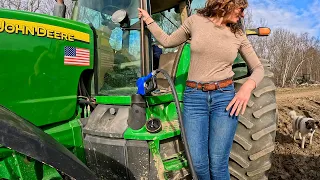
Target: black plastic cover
[
  {"x": 138, "y": 112},
  {"x": 24, "y": 137},
  {"x": 115, "y": 159}
]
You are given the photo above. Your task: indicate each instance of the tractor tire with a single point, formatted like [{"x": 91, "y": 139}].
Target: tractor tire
[{"x": 254, "y": 142}]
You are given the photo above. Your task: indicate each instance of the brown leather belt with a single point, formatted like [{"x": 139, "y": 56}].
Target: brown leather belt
[{"x": 210, "y": 86}]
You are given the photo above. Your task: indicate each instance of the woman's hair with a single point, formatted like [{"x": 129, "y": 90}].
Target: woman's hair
[{"x": 220, "y": 8}]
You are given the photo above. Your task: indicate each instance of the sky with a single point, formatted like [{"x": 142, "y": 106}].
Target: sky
[{"x": 299, "y": 16}]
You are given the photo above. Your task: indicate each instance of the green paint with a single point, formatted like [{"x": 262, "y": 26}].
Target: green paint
[
  {"x": 183, "y": 69},
  {"x": 143, "y": 134},
  {"x": 8, "y": 168},
  {"x": 51, "y": 99},
  {"x": 27, "y": 169},
  {"x": 43, "y": 90},
  {"x": 159, "y": 99},
  {"x": 240, "y": 72},
  {"x": 172, "y": 164},
  {"x": 50, "y": 173},
  {"x": 4, "y": 152},
  {"x": 18, "y": 166},
  {"x": 238, "y": 59},
  {"x": 175, "y": 164},
  {"x": 69, "y": 134},
  {"x": 154, "y": 149},
  {"x": 115, "y": 100}
]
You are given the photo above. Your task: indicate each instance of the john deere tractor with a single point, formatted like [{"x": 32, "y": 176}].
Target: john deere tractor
[{"x": 80, "y": 100}]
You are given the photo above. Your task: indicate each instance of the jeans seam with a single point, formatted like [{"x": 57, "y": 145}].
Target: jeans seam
[{"x": 208, "y": 101}]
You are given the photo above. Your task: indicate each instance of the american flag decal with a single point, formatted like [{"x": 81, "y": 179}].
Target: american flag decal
[{"x": 76, "y": 56}]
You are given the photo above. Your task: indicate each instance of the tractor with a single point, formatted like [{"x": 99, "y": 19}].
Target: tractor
[{"x": 77, "y": 100}]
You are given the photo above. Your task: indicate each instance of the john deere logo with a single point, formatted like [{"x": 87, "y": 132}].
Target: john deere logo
[{"x": 12, "y": 26}]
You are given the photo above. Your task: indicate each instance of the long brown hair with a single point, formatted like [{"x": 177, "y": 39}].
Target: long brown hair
[{"x": 220, "y": 8}]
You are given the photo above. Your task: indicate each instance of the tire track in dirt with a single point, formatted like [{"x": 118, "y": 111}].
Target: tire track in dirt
[{"x": 298, "y": 93}]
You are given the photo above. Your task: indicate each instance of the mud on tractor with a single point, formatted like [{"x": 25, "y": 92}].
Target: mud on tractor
[{"x": 69, "y": 101}]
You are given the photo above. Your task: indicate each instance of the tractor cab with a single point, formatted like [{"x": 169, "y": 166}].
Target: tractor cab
[
  {"x": 118, "y": 50},
  {"x": 124, "y": 51}
]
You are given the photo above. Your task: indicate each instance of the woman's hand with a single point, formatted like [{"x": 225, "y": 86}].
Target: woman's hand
[
  {"x": 143, "y": 14},
  {"x": 241, "y": 98}
]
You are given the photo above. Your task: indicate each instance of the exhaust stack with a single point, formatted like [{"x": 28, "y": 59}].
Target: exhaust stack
[{"x": 59, "y": 9}]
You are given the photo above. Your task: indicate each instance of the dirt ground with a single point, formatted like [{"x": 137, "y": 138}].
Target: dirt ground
[{"x": 289, "y": 160}]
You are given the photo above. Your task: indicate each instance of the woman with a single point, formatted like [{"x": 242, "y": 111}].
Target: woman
[{"x": 211, "y": 106}]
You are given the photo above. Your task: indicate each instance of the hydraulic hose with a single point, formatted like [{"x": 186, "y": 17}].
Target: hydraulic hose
[{"x": 184, "y": 139}]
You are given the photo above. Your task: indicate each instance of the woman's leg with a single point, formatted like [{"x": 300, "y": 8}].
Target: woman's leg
[
  {"x": 196, "y": 122},
  {"x": 222, "y": 129}
]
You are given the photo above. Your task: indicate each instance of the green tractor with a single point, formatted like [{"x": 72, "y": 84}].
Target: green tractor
[{"x": 69, "y": 105}]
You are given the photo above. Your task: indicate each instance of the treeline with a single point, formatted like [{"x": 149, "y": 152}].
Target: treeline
[
  {"x": 295, "y": 58},
  {"x": 39, "y": 6}
]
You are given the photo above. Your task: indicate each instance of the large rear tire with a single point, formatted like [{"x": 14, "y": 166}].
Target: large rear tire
[{"x": 254, "y": 142}]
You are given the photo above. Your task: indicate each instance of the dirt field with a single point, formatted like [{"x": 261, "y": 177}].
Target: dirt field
[{"x": 289, "y": 160}]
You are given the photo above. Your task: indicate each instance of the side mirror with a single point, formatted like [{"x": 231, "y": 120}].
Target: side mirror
[{"x": 121, "y": 17}]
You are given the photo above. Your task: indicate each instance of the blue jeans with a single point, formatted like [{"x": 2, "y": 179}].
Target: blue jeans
[{"x": 209, "y": 130}]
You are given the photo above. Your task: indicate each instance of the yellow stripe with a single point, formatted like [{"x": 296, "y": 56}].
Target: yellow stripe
[
  {"x": 77, "y": 34},
  {"x": 251, "y": 32}
]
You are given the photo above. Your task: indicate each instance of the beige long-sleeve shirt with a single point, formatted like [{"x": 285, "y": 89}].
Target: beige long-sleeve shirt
[{"x": 213, "y": 49}]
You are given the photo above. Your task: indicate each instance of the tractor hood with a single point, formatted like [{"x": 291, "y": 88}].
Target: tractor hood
[{"x": 39, "y": 78}]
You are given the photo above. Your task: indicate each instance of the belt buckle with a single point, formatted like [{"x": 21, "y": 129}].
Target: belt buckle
[
  {"x": 203, "y": 87},
  {"x": 217, "y": 85}
]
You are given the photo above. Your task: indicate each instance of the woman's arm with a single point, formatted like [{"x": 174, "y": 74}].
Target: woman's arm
[
  {"x": 252, "y": 60},
  {"x": 240, "y": 101},
  {"x": 178, "y": 37}
]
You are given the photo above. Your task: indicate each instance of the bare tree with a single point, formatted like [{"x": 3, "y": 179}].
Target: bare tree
[
  {"x": 33, "y": 5},
  {"x": 291, "y": 55},
  {"x": 27, "y": 5},
  {"x": 38, "y": 6}
]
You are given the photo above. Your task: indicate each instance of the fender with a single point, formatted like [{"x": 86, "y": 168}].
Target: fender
[{"x": 22, "y": 136}]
